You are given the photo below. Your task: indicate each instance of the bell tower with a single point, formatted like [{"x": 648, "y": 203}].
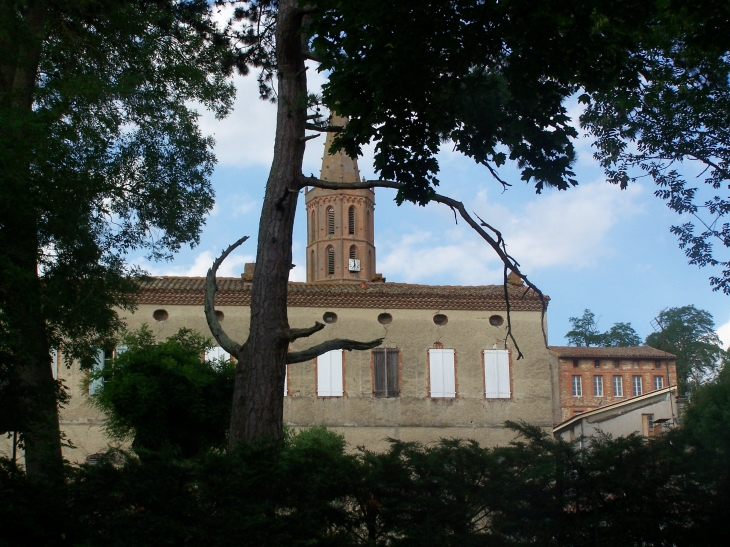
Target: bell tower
[{"x": 340, "y": 225}]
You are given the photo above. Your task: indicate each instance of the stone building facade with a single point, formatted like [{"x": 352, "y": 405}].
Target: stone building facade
[{"x": 586, "y": 378}]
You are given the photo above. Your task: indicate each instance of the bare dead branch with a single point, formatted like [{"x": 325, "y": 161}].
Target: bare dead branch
[
  {"x": 329, "y": 345},
  {"x": 324, "y": 128},
  {"x": 210, "y": 289},
  {"x": 304, "y": 333},
  {"x": 498, "y": 245},
  {"x": 311, "y": 56},
  {"x": 308, "y": 138}
]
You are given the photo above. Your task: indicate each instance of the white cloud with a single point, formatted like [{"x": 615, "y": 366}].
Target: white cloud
[
  {"x": 723, "y": 331},
  {"x": 231, "y": 267},
  {"x": 568, "y": 229}
]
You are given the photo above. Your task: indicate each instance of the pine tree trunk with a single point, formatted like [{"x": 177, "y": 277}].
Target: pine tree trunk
[
  {"x": 20, "y": 287},
  {"x": 259, "y": 389}
]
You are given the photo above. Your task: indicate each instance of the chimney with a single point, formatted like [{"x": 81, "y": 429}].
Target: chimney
[{"x": 247, "y": 274}]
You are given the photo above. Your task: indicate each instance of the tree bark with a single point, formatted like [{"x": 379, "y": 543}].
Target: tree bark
[
  {"x": 258, "y": 403},
  {"x": 21, "y": 286}
]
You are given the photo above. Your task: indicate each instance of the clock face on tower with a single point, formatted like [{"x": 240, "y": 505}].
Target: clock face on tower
[{"x": 354, "y": 265}]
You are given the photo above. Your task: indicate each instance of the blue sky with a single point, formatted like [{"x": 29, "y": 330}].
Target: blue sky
[{"x": 593, "y": 246}]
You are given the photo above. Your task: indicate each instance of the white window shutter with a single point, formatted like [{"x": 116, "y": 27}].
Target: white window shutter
[
  {"x": 491, "y": 378},
  {"x": 503, "y": 374},
  {"x": 286, "y": 380},
  {"x": 449, "y": 373},
  {"x": 496, "y": 374},
  {"x": 217, "y": 352},
  {"x": 329, "y": 374},
  {"x": 336, "y": 373},
  {"x": 441, "y": 368},
  {"x": 54, "y": 363},
  {"x": 435, "y": 358}
]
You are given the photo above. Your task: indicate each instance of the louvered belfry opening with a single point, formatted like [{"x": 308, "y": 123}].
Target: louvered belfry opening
[
  {"x": 330, "y": 261},
  {"x": 351, "y": 219},
  {"x": 330, "y": 221},
  {"x": 353, "y": 252},
  {"x": 385, "y": 372}
]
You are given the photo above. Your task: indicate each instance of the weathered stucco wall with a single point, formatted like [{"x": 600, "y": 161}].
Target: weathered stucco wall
[{"x": 362, "y": 418}]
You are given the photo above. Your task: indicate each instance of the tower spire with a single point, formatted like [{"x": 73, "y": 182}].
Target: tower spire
[
  {"x": 338, "y": 167},
  {"x": 340, "y": 222}
]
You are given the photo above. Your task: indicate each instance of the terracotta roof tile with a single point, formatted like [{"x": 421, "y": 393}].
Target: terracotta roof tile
[
  {"x": 636, "y": 352},
  {"x": 233, "y": 291}
]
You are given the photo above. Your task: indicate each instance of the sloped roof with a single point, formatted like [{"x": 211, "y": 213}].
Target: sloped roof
[
  {"x": 234, "y": 291},
  {"x": 634, "y": 352}
]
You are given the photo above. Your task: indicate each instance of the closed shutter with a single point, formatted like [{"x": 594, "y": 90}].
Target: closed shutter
[
  {"x": 217, "y": 352},
  {"x": 496, "y": 374},
  {"x": 441, "y": 367},
  {"x": 54, "y": 363},
  {"x": 385, "y": 372},
  {"x": 329, "y": 374}
]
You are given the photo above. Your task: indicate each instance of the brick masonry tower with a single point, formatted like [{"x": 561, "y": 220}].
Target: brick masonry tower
[{"x": 340, "y": 227}]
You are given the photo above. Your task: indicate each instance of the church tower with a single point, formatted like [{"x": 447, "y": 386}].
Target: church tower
[{"x": 340, "y": 226}]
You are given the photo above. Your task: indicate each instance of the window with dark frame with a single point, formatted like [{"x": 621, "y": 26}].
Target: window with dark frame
[{"x": 385, "y": 372}]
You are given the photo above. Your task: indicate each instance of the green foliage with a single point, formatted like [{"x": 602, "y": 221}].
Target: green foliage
[
  {"x": 585, "y": 333},
  {"x": 164, "y": 396},
  {"x": 689, "y": 334},
  {"x": 672, "y": 125},
  {"x": 669, "y": 491},
  {"x": 492, "y": 77}
]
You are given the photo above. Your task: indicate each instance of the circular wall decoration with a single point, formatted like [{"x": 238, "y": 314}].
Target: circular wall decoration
[
  {"x": 440, "y": 319},
  {"x": 496, "y": 320},
  {"x": 385, "y": 318},
  {"x": 329, "y": 317},
  {"x": 220, "y": 315},
  {"x": 160, "y": 315}
]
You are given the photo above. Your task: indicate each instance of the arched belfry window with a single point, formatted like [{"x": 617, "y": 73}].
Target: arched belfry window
[
  {"x": 330, "y": 221},
  {"x": 351, "y": 219},
  {"x": 330, "y": 261},
  {"x": 312, "y": 228},
  {"x": 312, "y": 267},
  {"x": 353, "y": 252}
]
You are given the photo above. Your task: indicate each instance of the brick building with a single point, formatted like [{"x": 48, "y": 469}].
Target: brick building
[{"x": 586, "y": 378}]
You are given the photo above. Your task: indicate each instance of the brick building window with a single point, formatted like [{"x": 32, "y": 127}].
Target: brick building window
[
  {"x": 618, "y": 386},
  {"x": 329, "y": 374},
  {"x": 353, "y": 252},
  {"x": 636, "y": 385},
  {"x": 330, "y": 261},
  {"x": 496, "y": 374},
  {"x": 351, "y": 219},
  {"x": 385, "y": 372},
  {"x": 577, "y": 386},
  {"x": 441, "y": 363},
  {"x": 330, "y": 221},
  {"x": 598, "y": 386},
  {"x": 658, "y": 382}
]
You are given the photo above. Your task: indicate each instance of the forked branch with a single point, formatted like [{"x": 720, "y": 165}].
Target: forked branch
[
  {"x": 330, "y": 345},
  {"x": 210, "y": 289},
  {"x": 498, "y": 245}
]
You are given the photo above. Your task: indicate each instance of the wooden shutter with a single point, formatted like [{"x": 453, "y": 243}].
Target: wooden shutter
[
  {"x": 385, "y": 372},
  {"x": 441, "y": 367},
  {"x": 329, "y": 374},
  {"x": 496, "y": 374},
  {"x": 379, "y": 375},
  {"x": 392, "y": 364}
]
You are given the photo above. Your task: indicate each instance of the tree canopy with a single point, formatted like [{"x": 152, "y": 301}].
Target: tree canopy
[
  {"x": 165, "y": 396},
  {"x": 585, "y": 333},
  {"x": 689, "y": 334},
  {"x": 100, "y": 155}
]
